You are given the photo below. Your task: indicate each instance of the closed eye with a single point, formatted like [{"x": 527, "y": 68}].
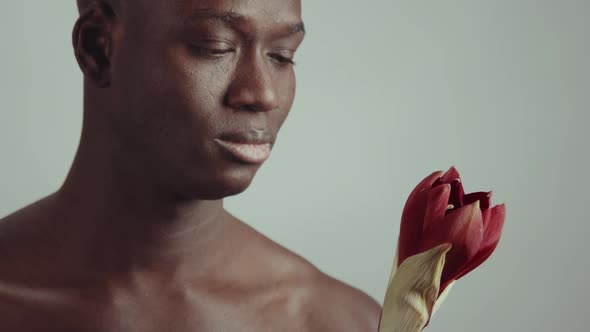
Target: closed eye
[
  {"x": 210, "y": 52},
  {"x": 281, "y": 59}
]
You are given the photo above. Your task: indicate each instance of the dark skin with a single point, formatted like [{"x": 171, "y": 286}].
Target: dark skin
[{"x": 137, "y": 239}]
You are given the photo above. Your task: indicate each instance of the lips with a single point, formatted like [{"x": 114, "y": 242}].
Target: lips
[{"x": 251, "y": 147}]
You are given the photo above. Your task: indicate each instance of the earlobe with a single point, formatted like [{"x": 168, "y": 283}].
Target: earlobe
[{"x": 92, "y": 41}]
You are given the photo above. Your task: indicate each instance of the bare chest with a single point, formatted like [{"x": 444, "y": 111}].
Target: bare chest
[{"x": 155, "y": 317}]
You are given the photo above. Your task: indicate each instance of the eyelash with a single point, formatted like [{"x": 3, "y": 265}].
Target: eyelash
[
  {"x": 283, "y": 60},
  {"x": 210, "y": 52},
  {"x": 218, "y": 53}
]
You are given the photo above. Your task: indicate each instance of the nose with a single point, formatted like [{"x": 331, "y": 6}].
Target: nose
[{"x": 253, "y": 87}]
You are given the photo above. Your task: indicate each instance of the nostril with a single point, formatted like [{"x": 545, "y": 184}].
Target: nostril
[{"x": 250, "y": 108}]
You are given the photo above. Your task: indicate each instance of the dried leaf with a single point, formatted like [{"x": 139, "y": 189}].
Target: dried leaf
[{"x": 412, "y": 291}]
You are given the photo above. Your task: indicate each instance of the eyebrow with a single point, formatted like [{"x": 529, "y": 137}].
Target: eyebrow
[{"x": 233, "y": 18}]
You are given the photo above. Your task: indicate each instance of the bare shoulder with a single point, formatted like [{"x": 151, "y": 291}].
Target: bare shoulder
[
  {"x": 22, "y": 265},
  {"x": 19, "y": 220},
  {"x": 326, "y": 303},
  {"x": 20, "y": 230},
  {"x": 342, "y": 307}
]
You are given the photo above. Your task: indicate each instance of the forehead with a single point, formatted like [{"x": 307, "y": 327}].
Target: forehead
[{"x": 258, "y": 12}]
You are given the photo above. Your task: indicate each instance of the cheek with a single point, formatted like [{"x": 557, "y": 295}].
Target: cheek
[
  {"x": 287, "y": 91},
  {"x": 196, "y": 90},
  {"x": 292, "y": 87},
  {"x": 160, "y": 105},
  {"x": 183, "y": 94}
]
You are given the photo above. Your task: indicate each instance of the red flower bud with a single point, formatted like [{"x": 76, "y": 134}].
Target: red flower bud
[{"x": 438, "y": 211}]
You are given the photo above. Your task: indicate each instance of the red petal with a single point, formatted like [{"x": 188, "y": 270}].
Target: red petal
[
  {"x": 413, "y": 217},
  {"x": 493, "y": 220},
  {"x": 427, "y": 182},
  {"x": 464, "y": 230},
  {"x": 438, "y": 201},
  {"x": 450, "y": 175},
  {"x": 457, "y": 193},
  {"x": 485, "y": 199}
]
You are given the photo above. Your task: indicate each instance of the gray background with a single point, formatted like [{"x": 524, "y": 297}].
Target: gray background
[{"x": 388, "y": 92}]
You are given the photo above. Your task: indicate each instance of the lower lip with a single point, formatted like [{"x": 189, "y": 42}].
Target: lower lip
[{"x": 247, "y": 152}]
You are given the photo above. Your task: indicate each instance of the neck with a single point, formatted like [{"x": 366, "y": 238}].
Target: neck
[{"x": 120, "y": 223}]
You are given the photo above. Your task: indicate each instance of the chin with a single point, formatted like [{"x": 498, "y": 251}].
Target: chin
[{"x": 218, "y": 186}]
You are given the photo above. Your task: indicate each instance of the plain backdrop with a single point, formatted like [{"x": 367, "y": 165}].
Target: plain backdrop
[{"x": 388, "y": 91}]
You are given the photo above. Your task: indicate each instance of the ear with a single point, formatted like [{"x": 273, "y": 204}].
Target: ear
[{"x": 93, "y": 42}]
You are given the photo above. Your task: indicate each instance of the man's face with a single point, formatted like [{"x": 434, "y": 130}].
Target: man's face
[{"x": 191, "y": 76}]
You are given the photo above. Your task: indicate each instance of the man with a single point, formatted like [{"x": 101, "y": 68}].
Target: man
[{"x": 183, "y": 100}]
